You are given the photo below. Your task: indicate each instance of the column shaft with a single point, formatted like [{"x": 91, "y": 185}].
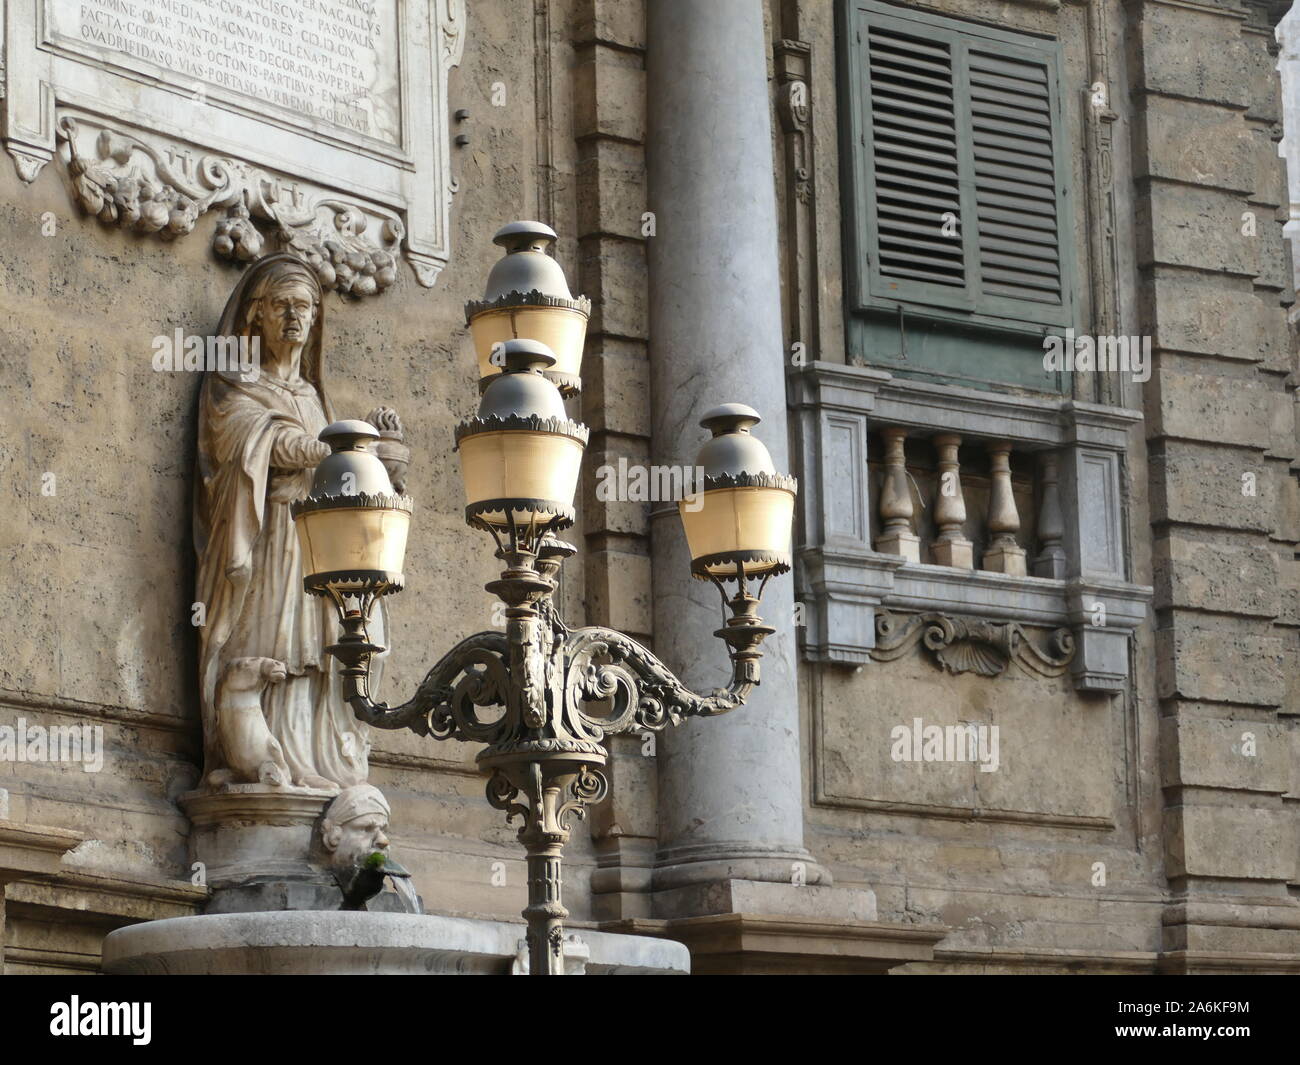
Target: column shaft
[{"x": 730, "y": 795}]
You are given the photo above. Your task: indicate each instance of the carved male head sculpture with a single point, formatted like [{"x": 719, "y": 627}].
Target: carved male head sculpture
[{"x": 355, "y": 826}]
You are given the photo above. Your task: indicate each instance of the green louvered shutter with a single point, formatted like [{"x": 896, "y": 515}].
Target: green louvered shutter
[
  {"x": 953, "y": 121},
  {"x": 915, "y": 163}
]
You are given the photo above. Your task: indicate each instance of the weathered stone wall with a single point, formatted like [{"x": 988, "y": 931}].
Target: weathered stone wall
[
  {"x": 1197, "y": 839},
  {"x": 1212, "y": 202},
  {"x": 1191, "y": 147}
]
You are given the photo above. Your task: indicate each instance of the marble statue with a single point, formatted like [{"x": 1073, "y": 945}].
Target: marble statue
[{"x": 272, "y": 711}]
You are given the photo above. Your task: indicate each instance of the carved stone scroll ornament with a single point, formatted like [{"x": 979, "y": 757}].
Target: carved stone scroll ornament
[
  {"x": 968, "y": 645},
  {"x": 159, "y": 188}
]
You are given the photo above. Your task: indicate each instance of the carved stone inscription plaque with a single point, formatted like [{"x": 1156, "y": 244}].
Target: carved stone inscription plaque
[
  {"x": 315, "y": 127},
  {"x": 330, "y": 61}
]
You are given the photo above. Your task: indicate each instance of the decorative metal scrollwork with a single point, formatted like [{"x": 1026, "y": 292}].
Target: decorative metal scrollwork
[{"x": 604, "y": 665}]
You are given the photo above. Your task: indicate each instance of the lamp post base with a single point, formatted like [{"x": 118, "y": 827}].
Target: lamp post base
[{"x": 545, "y": 788}]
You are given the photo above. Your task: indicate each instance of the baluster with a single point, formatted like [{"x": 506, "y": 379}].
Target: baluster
[
  {"x": 1051, "y": 521},
  {"x": 950, "y": 548},
  {"x": 896, "y": 501},
  {"x": 1003, "y": 555}
]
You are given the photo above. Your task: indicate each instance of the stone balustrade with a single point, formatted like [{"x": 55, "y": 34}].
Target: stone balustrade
[
  {"x": 1002, "y": 527},
  {"x": 999, "y": 509}
]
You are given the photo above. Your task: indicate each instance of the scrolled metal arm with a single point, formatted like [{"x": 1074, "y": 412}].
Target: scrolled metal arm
[
  {"x": 545, "y": 675},
  {"x": 602, "y": 664},
  {"x": 473, "y": 673}
]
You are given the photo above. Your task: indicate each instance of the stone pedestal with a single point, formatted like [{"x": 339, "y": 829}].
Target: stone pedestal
[
  {"x": 1006, "y": 557},
  {"x": 255, "y": 845},
  {"x": 749, "y": 927},
  {"x": 959, "y": 553},
  {"x": 367, "y": 944},
  {"x": 905, "y": 544}
]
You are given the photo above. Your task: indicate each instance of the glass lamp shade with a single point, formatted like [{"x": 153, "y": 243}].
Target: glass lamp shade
[
  {"x": 744, "y": 524},
  {"x": 562, "y": 329},
  {"x": 520, "y": 456},
  {"x": 353, "y": 547},
  {"x": 740, "y": 523},
  {"x": 352, "y": 529},
  {"x": 527, "y": 476}
]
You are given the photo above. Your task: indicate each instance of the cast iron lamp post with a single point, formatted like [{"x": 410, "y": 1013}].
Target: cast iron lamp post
[{"x": 542, "y": 697}]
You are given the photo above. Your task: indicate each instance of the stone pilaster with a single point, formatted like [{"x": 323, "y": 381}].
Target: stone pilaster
[
  {"x": 1211, "y": 260},
  {"x": 608, "y": 87}
]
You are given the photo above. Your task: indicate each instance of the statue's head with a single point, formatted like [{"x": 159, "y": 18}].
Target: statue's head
[
  {"x": 287, "y": 311},
  {"x": 283, "y": 305},
  {"x": 355, "y": 825}
]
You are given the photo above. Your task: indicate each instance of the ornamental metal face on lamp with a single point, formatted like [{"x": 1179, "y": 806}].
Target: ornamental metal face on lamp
[
  {"x": 542, "y": 697},
  {"x": 528, "y": 298}
]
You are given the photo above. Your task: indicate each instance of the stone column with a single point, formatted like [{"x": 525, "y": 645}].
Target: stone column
[{"x": 731, "y": 792}]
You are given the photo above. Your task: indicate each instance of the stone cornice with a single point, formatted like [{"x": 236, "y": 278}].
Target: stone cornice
[{"x": 33, "y": 850}]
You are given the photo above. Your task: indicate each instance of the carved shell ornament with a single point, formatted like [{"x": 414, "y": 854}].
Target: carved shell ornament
[
  {"x": 966, "y": 645},
  {"x": 126, "y": 182}
]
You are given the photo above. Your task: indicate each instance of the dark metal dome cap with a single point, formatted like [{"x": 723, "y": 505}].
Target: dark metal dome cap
[
  {"x": 521, "y": 235},
  {"x": 526, "y": 267},
  {"x": 734, "y": 456},
  {"x": 350, "y": 440},
  {"x": 521, "y": 355},
  {"x": 728, "y": 417},
  {"x": 347, "y": 433}
]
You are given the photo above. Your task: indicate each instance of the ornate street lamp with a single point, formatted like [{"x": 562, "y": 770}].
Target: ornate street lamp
[
  {"x": 543, "y": 697},
  {"x": 528, "y": 298},
  {"x": 352, "y": 528},
  {"x": 740, "y": 531}
]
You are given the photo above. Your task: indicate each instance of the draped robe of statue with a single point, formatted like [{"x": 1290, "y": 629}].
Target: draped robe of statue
[{"x": 257, "y": 451}]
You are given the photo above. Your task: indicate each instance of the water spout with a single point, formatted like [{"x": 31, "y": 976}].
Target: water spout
[
  {"x": 366, "y": 880},
  {"x": 406, "y": 893}
]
